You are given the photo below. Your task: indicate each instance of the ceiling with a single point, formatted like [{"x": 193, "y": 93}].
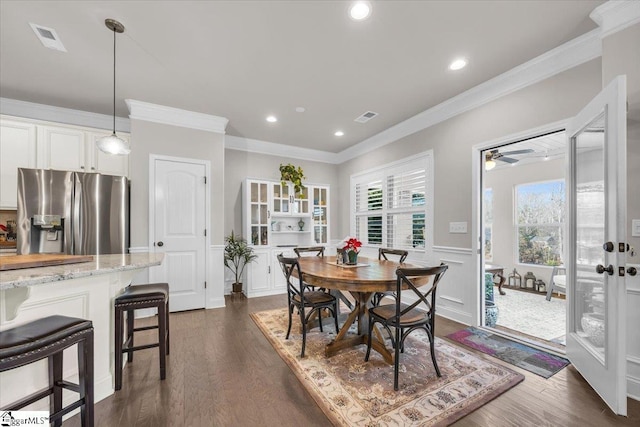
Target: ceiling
[{"x": 244, "y": 60}]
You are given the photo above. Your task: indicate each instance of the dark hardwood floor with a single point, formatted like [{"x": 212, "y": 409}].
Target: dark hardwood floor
[{"x": 223, "y": 372}]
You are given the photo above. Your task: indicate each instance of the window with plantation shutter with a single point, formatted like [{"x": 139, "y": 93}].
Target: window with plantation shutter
[{"x": 391, "y": 205}]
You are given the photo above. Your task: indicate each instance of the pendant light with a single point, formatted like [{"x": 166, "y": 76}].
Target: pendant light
[{"x": 113, "y": 144}]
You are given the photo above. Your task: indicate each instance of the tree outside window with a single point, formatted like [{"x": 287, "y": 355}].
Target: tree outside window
[{"x": 540, "y": 220}]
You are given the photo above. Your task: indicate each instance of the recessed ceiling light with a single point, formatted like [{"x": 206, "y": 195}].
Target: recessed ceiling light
[
  {"x": 360, "y": 10},
  {"x": 339, "y": 133},
  {"x": 458, "y": 64},
  {"x": 300, "y": 109},
  {"x": 272, "y": 119}
]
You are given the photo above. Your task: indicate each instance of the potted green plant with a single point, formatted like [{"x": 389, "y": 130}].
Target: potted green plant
[
  {"x": 237, "y": 254},
  {"x": 292, "y": 174}
]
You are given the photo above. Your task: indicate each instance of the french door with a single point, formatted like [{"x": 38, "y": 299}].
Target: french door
[{"x": 596, "y": 289}]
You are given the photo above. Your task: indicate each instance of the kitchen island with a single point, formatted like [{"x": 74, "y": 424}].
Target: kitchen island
[{"x": 85, "y": 290}]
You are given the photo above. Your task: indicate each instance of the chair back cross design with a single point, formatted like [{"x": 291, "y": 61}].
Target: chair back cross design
[
  {"x": 317, "y": 250},
  {"x": 383, "y": 254},
  {"x": 406, "y": 318}
]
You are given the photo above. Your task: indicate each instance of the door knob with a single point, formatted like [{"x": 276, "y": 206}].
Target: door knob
[
  {"x": 632, "y": 271},
  {"x": 162, "y": 244},
  {"x": 608, "y": 246},
  {"x": 601, "y": 269}
]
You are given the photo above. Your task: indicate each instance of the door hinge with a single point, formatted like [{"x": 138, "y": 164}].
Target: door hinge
[
  {"x": 205, "y": 179},
  {"x": 205, "y": 232},
  {"x": 269, "y": 269},
  {"x": 205, "y": 285}
]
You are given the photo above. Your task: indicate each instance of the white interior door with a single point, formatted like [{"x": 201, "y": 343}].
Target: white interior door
[
  {"x": 180, "y": 221},
  {"x": 596, "y": 290}
]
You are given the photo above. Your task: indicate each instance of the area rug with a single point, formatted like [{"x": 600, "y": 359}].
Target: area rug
[
  {"x": 521, "y": 355},
  {"x": 352, "y": 392}
]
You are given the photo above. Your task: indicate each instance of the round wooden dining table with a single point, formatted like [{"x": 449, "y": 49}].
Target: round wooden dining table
[{"x": 362, "y": 282}]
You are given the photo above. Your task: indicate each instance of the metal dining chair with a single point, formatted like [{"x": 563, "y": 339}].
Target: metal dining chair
[
  {"x": 306, "y": 301},
  {"x": 407, "y": 318}
]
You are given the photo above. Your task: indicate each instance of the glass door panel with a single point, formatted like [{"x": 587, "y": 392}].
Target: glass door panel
[{"x": 589, "y": 320}]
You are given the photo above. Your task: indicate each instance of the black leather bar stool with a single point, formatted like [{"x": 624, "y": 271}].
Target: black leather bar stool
[
  {"x": 47, "y": 338},
  {"x": 154, "y": 295}
]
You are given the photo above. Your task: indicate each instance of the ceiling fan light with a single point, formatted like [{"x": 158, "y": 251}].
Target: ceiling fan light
[
  {"x": 489, "y": 164},
  {"x": 113, "y": 144}
]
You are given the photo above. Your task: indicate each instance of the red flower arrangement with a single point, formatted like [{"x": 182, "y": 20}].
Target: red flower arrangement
[{"x": 352, "y": 244}]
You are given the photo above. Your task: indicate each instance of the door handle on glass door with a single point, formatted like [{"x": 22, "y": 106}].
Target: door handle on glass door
[{"x": 601, "y": 269}]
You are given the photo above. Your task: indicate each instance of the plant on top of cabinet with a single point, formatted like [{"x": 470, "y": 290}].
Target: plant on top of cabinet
[
  {"x": 237, "y": 254},
  {"x": 292, "y": 174}
]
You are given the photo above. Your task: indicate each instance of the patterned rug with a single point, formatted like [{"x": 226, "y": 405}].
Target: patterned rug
[
  {"x": 521, "y": 355},
  {"x": 352, "y": 392}
]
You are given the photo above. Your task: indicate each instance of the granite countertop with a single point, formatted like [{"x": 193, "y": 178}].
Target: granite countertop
[{"x": 102, "y": 264}]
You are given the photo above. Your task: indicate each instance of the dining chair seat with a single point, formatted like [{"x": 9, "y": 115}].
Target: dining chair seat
[
  {"x": 388, "y": 311},
  {"x": 314, "y": 297}
]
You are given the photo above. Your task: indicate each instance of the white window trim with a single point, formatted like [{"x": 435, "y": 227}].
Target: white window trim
[{"x": 380, "y": 171}]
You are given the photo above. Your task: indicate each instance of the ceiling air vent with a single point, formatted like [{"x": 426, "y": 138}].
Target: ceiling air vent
[
  {"x": 366, "y": 117},
  {"x": 48, "y": 37}
]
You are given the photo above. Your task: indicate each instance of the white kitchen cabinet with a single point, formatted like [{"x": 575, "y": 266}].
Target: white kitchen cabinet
[
  {"x": 62, "y": 148},
  {"x": 71, "y": 148},
  {"x": 17, "y": 150},
  {"x": 106, "y": 163}
]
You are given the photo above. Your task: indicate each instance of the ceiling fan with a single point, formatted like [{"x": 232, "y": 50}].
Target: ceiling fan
[{"x": 493, "y": 155}]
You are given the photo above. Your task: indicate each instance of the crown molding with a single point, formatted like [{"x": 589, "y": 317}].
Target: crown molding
[
  {"x": 50, "y": 113},
  {"x": 281, "y": 150},
  {"x": 571, "y": 54},
  {"x": 174, "y": 116},
  {"x": 616, "y": 15}
]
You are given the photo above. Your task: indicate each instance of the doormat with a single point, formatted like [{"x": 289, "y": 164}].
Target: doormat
[
  {"x": 352, "y": 392},
  {"x": 521, "y": 355}
]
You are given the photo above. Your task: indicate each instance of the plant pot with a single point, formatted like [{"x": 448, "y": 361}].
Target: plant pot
[
  {"x": 490, "y": 313},
  {"x": 352, "y": 258},
  {"x": 236, "y": 288}
]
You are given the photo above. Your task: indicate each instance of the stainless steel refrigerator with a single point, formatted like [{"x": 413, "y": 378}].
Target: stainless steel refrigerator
[{"x": 72, "y": 213}]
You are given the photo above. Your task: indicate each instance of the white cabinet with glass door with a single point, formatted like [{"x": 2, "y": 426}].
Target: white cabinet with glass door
[
  {"x": 290, "y": 215},
  {"x": 256, "y": 212},
  {"x": 320, "y": 214},
  {"x": 287, "y": 202}
]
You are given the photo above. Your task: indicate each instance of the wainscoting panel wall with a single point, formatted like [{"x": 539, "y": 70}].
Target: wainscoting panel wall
[{"x": 457, "y": 293}]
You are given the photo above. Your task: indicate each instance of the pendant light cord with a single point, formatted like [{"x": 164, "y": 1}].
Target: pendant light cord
[{"x": 114, "y": 81}]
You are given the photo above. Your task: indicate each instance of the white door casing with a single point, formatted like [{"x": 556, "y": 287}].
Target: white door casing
[
  {"x": 178, "y": 213},
  {"x": 596, "y": 201}
]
